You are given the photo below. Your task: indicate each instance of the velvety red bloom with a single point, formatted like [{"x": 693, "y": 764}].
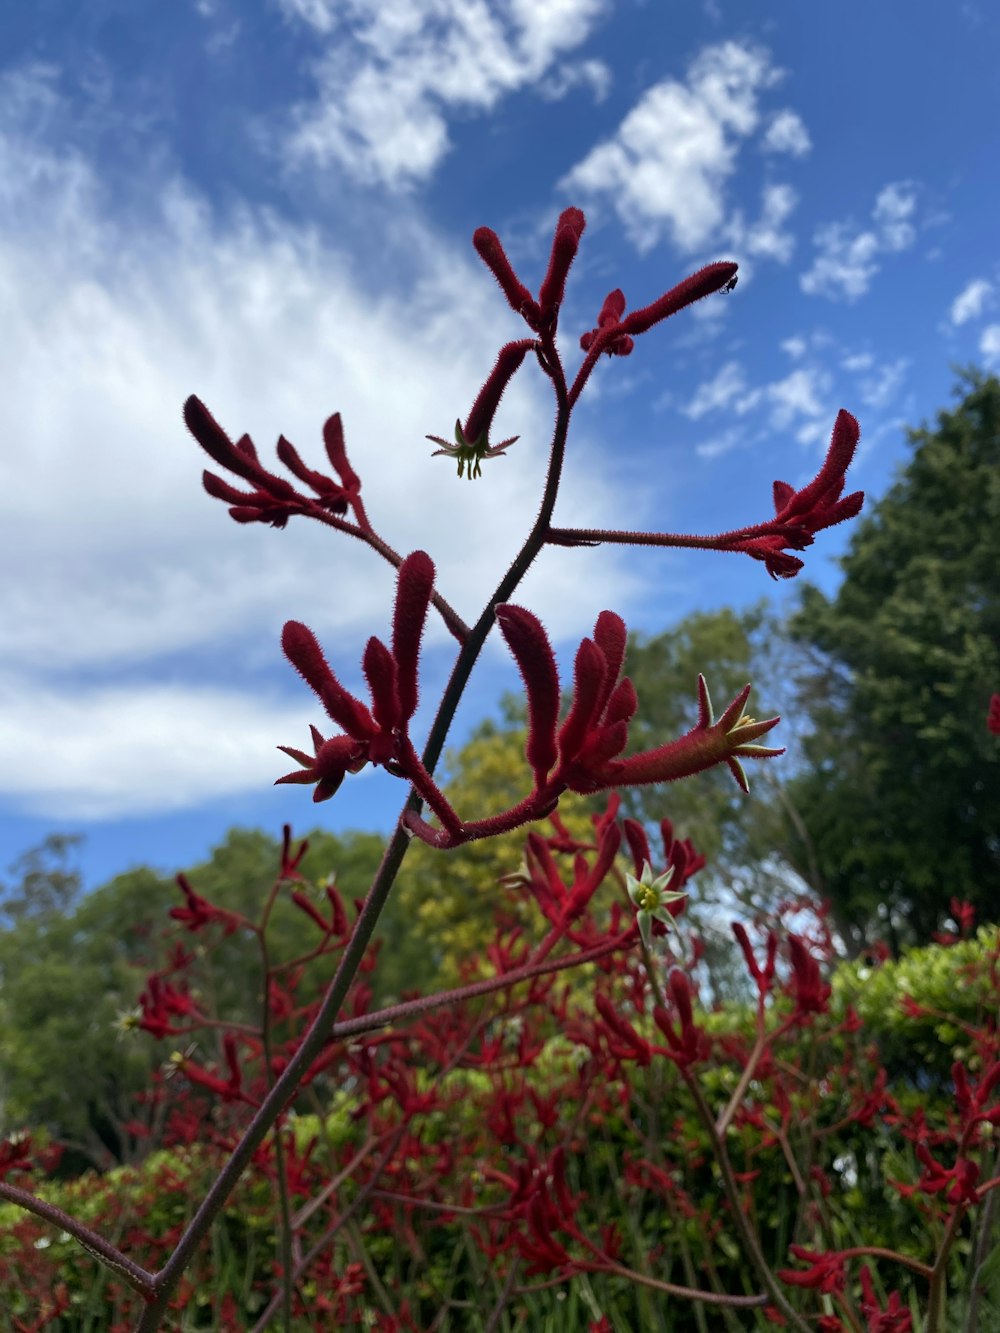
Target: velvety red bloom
[
  {"x": 810, "y": 993},
  {"x": 892, "y": 1319},
  {"x": 763, "y": 977},
  {"x": 584, "y": 751},
  {"x": 691, "y": 1043},
  {"x": 957, "y": 1183},
  {"x": 273, "y": 500},
  {"x": 679, "y": 855},
  {"x": 472, "y": 441},
  {"x": 199, "y": 912},
  {"x": 825, "y": 1272},
  {"x": 372, "y": 736},
  {"x": 993, "y": 715},
  {"x": 161, "y": 1002},
  {"x": 799, "y": 515},
  {"x": 625, "y": 1042},
  {"x": 541, "y": 315},
  {"x": 615, "y": 335},
  {"x": 564, "y": 903},
  {"x": 228, "y": 1089}
]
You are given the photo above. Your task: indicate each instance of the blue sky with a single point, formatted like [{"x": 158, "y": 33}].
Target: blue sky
[{"x": 270, "y": 203}]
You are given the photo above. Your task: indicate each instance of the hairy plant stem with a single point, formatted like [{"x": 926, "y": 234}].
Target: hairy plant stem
[
  {"x": 166, "y": 1280},
  {"x": 751, "y": 1245}
]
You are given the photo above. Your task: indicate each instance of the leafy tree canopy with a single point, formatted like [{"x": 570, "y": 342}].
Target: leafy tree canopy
[{"x": 901, "y": 787}]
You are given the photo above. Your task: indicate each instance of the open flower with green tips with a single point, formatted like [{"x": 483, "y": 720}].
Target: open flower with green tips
[{"x": 654, "y": 899}]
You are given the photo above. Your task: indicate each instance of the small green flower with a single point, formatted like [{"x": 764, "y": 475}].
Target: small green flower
[
  {"x": 126, "y": 1022},
  {"x": 652, "y": 897},
  {"x": 470, "y": 453}
]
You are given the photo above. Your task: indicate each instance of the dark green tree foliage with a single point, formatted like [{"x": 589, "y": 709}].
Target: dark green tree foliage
[
  {"x": 67, "y": 967},
  {"x": 901, "y": 788},
  {"x": 71, "y": 964}
]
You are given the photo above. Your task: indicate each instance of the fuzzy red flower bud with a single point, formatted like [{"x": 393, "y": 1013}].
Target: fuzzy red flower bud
[{"x": 533, "y": 654}]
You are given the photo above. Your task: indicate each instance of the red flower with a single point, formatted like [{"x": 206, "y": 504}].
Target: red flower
[
  {"x": 541, "y": 315},
  {"x": 691, "y": 1043},
  {"x": 615, "y": 335},
  {"x": 799, "y": 515},
  {"x": 993, "y": 715},
  {"x": 584, "y": 752},
  {"x": 825, "y": 1271},
  {"x": 378, "y": 735},
  {"x": 472, "y": 440},
  {"x": 200, "y": 912},
  {"x": 764, "y": 977},
  {"x": 809, "y": 992},
  {"x": 273, "y": 500}
]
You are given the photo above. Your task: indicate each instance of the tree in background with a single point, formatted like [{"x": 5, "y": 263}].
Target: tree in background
[
  {"x": 72, "y": 966},
  {"x": 900, "y": 789}
]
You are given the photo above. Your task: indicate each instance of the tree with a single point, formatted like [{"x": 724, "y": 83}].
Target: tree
[
  {"x": 71, "y": 965},
  {"x": 901, "y": 788}
]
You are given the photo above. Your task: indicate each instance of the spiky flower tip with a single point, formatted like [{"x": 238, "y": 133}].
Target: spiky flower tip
[
  {"x": 470, "y": 453},
  {"x": 653, "y": 899}
]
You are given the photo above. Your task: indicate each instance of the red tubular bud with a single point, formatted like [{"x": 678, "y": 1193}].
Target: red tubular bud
[
  {"x": 588, "y": 681},
  {"x": 702, "y": 283},
  {"x": 381, "y": 674},
  {"x": 333, "y": 439},
  {"x": 339, "y": 914},
  {"x": 305, "y": 654},
  {"x": 212, "y": 438},
  {"x": 739, "y": 930},
  {"x": 508, "y": 362},
  {"x": 220, "y": 489},
  {"x": 491, "y": 252},
  {"x": 306, "y": 905},
  {"x": 638, "y": 845},
  {"x": 843, "y": 443},
  {"x": 611, "y": 636},
  {"x": 612, "y": 309},
  {"x": 533, "y": 654},
  {"x": 413, "y": 595},
  {"x": 565, "y": 244}
]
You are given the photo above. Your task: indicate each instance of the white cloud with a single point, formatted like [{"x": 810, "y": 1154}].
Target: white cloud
[
  {"x": 989, "y": 344},
  {"x": 666, "y": 167},
  {"x": 718, "y": 446},
  {"x": 392, "y": 71},
  {"x": 765, "y": 237},
  {"x": 787, "y": 134},
  {"x": 592, "y": 74},
  {"x": 798, "y": 395},
  {"x": 132, "y": 750},
  {"x": 893, "y": 211},
  {"x": 849, "y": 258},
  {"x": 879, "y": 389},
  {"x": 795, "y": 347},
  {"x": 721, "y": 391},
  {"x": 123, "y": 563},
  {"x": 971, "y": 301}
]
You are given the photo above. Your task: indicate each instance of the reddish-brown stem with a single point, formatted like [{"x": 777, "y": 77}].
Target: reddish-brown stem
[
  {"x": 138, "y": 1278},
  {"x": 597, "y": 536},
  {"x": 397, "y": 1013}
]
